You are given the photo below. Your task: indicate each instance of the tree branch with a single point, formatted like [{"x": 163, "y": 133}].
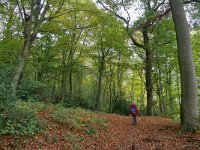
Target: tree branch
[
  {"x": 157, "y": 7},
  {"x": 128, "y": 18},
  {"x": 20, "y": 11},
  {"x": 117, "y": 15},
  {"x": 52, "y": 12},
  {"x": 151, "y": 21},
  {"x": 190, "y": 1}
]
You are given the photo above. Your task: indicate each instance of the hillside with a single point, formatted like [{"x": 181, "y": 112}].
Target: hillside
[{"x": 68, "y": 129}]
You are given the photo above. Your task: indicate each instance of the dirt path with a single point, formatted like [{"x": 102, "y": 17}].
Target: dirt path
[{"x": 150, "y": 133}]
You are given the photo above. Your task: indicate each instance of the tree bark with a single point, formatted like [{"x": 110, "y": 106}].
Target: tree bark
[
  {"x": 63, "y": 89},
  {"x": 148, "y": 75},
  {"x": 142, "y": 91},
  {"x": 22, "y": 61},
  {"x": 70, "y": 84},
  {"x": 119, "y": 77},
  {"x": 100, "y": 75},
  {"x": 159, "y": 90},
  {"x": 189, "y": 101},
  {"x": 99, "y": 87}
]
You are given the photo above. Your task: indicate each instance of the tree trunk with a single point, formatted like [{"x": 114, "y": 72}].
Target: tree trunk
[
  {"x": 119, "y": 77},
  {"x": 111, "y": 85},
  {"x": 99, "y": 85},
  {"x": 171, "y": 106},
  {"x": 132, "y": 88},
  {"x": 105, "y": 91},
  {"x": 70, "y": 83},
  {"x": 148, "y": 69},
  {"x": 142, "y": 91},
  {"x": 63, "y": 89},
  {"x": 21, "y": 64},
  {"x": 80, "y": 78},
  {"x": 189, "y": 101},
  {"x": 98, "y": 100},
  {"x": 178, "y": 89},
  {"x": 159, "y": 89}
]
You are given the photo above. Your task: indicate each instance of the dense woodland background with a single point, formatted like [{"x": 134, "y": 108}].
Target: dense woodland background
[{"x": 94, "y": 55}]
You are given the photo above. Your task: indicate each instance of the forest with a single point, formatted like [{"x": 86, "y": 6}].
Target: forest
[{"x": 98, "y": 56}]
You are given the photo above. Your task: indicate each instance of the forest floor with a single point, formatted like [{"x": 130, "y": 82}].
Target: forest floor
[{"x": 150, "y": 133}]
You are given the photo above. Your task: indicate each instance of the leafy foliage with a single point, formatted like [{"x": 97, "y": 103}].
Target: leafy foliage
[
  {"x": 90, "y": 129},
  {"x": 5, "y": 79},
  {"x": 28, "y": 90},
  {"x": 77, "y": 102},
  {"x": 34, "y": 106},
  {"x": 76, "y": 118},
  {"x": 20, "y": 120},
  {"x": 72, "y": 138},
  {"x": 6, "y": 98},
  {"x": 121, "y": 106}
]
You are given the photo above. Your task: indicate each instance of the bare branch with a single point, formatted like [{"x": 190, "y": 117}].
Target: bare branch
[
  {"x": 190, "y": 1},
  {"x": 117, "y": 15},
  {"x": 20, "y": 11},
  {"x": 151, "y": 21},
  {"x": 42, "y": 18},
  {"x": 128, "y": 18},
  {"x": 59, "y": 8},
  {"x": 157, "y": 7}
]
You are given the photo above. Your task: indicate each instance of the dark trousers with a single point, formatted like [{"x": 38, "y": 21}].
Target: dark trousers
[{"x": 134, "y": 119}]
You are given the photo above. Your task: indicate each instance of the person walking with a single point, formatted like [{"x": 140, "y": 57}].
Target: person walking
[{"x": 133, "y": 112}]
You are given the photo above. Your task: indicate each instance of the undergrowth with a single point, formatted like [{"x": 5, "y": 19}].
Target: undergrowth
[
  {"x": 20, "y": 119},
  {"x": 77, "y": 118}
]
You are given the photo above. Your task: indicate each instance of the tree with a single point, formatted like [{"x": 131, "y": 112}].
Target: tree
[
  {"x": 165, "y": 67},
  {"x": 108, "y": 43},
  {"x": 33, "y": 15},
  {"x": 189, "y": 101},
  {"x": 153, "y": 12}
]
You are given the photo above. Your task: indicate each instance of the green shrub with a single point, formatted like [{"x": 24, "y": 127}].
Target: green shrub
[
  {"x": 20, "y": 122},
  {"x": 73, "y": 139},
  {"x": 59, "y": 116},
  {"x": 35, "y": 106},
  {"x": 53, "y": 138},
  {"x": 76, "y": 102},
  {"x": 68, "y": 116},
  {"x": 102, "y": 122},
  {"x": 90, "y": 129},
  {"x": 6, "y": 97},
  {"x": 77, "y": 118},
  {"x": 121, "y": 106},
  {"x": 28, "y": 90}
]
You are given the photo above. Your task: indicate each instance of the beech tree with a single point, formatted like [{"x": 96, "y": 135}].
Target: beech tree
[
  {"x": 189, "y": 101},
  {"x": 33, "y": 15}
]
